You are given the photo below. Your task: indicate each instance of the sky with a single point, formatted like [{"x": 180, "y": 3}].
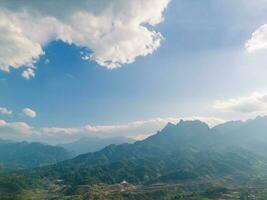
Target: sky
[{"x": 126, "y": 68}]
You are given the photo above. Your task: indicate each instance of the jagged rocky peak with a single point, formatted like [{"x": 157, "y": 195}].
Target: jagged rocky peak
[
  {"x": 193, "y": 124},
  {"x": 168, "y": 126}
]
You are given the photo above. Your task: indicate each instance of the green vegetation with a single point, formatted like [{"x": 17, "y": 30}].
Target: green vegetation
[
  {"x": 184, "y": 161},
  {"x": 23, "y": 155}
]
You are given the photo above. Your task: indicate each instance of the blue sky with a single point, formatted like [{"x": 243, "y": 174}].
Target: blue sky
[{"x": 201, "y": 69}]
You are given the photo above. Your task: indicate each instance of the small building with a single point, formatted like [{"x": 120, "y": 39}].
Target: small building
[{"x": 124, "y": 183}]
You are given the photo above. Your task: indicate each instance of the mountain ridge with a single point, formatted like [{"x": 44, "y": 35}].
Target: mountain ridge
[
  {"x": 189, "y": 147},
  {"x": 186, "y": 152},
  {"x": 23, "y": 155}
]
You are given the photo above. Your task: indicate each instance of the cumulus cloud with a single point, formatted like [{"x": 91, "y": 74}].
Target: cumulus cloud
[
  {"x": 28, "y": 73},
  {"x": 17, "y": 49},
  {"x": 5, "y": 111},
  {"x": 258, "y": 39},
  {"x": 114, "y": 32},
  {"x": 254, "y": 103},
  {"x": 29, "y": 112}
]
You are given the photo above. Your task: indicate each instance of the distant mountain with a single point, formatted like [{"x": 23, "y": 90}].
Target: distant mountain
[
  {"x": 23, "y": 155},
  {"x": 188, "y": 152},
  {"x": 250, "y": 129},
  {"x": 229, "y": 126},
  {"x": 185, "y": 151},
  {"x": 92, "y": 144},
  {"x": 250, "y": 135}
]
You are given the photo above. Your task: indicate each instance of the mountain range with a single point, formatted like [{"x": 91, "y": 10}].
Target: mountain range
[
  {"x": 250, "y": 135},
  {"x": 232, "y": 153},
  {"x": 23, "y": 155},
  {"x": 187, "y": 150}
]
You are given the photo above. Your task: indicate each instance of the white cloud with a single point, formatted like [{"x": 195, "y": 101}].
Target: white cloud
[
  {"x": 2, "y": 123},
  {"x": 258, "y": 39},
  {"x": 15, "y": 128},
  {"x": 29, "y": 112},
  {"x": 5, "y": 111},
  {"x": 17, "y": 49},
  {"x": 56, "y": 130},
  {"x": 115, "y": 31},
  {"x": 255, "y": 103},
  {"x": 28, "y": 73},
  {"x": 20, "y": 126}
]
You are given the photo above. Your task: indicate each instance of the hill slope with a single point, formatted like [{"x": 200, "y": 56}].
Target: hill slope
[
  {"x": 23, "y": 155},
  {"x": 184, "y": 151},
  {"x": 189, "y": 153},
  {"x": 250, "y": 135}
]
